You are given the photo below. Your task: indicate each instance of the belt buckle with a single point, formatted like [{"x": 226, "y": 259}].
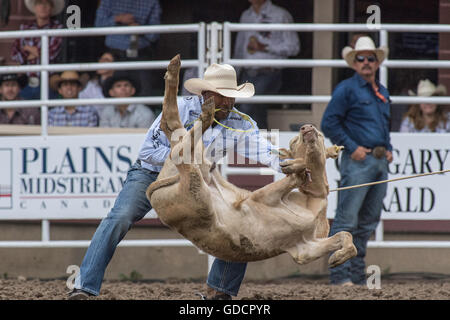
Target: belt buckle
[{"x": 379, "y": 152}]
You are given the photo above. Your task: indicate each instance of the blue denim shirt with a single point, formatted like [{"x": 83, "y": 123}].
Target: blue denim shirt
[{"x": 355, "y": 116}]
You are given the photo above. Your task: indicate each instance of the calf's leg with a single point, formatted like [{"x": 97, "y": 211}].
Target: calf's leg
[{"x": 341, "y": 243}]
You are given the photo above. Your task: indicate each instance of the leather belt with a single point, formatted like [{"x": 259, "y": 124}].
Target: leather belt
[{"x": 379, "y": 152}]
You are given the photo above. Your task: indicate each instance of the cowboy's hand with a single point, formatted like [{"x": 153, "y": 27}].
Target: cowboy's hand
[
  {"x": 389, "y": 156},
  {"x": 360, "y": 153}
]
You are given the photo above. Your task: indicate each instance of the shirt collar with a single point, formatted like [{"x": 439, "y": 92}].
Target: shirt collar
[
  {"x": 362, "y": 82},
  {"x": 62, "y": 109},
  {"x": 49, "y": 25},
  {"x": 266, "y": 6}
]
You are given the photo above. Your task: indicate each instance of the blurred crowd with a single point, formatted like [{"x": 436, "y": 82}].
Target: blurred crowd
[{"x": 125, "y": 83}]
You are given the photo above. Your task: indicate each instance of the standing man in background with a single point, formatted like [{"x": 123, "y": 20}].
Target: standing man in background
[
  {"x": 357, "y": 118},
  {"x": 264, "y": 45},
  {"x": 131, "y": 47}
]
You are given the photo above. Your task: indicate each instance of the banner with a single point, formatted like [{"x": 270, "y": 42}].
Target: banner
[
  {"x": 64, "y": 177},
  {"x": 79, "y": 177}
]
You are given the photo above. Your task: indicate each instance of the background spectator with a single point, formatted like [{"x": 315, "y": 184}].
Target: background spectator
[
  {"x": 93, "y": 88},
  {"x": 131, "y": 47},
  {"x": 123, "y": 85},
  {"x": 264, "y": 45},
  {"x": 10, "y": 85},
  {"x": 68, "y": 85},
  {"x": 357, "y": 117},
  {"x": 27, "y": 51},
  {"x": 426, "y": 117}
]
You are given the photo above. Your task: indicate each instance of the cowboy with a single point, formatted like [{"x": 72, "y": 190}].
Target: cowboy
[
  {"x": 426, "y": 117},
  {"x": 10, "y": 85},
  {"x": 68, "y": 86},
  {"x": 357, "y": 117},
  {"x": 131, "y": 205},
  {"x": 123, "y": 85}
]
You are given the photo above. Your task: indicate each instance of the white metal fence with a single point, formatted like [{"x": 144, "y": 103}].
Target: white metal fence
[{"x": 214, "y": 45}]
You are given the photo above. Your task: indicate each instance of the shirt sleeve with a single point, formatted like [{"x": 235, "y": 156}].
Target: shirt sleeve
[
  {"x": 104, "y": 16},
  {"x": 156, "y": 146},
  {"x": 146, "y": 117},
  {"x": 93, "y": 118},
  {"x": 405, "y": 126},
  {"x": 50, "y": 119},
  {"x": 288, "y": 43},
  {"x": 154, "y": 18},
  {"x": 257, "y": 148},
  {"x": 239, "y": 46},
  {"x": 17, "y": 53},
  {"x": 333, "y": 119},
  {"x": 104, "y": 117}
]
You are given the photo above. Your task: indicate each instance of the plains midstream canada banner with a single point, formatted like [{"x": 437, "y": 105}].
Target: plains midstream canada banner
[{"x": 79, "y": 177}]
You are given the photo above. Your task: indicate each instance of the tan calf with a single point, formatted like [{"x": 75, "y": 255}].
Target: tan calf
[{"x": 234, "y": 224}]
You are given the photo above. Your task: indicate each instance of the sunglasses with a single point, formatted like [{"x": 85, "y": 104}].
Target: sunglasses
[{"x": 361, "y": 58}]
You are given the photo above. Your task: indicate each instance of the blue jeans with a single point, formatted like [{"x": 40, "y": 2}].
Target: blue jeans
[
  {"x": 130, "y": 206},
  {"x": 226, "y": 276},
  {"x": 358, "y": 212},
  {"x": 265, "y": 82}
]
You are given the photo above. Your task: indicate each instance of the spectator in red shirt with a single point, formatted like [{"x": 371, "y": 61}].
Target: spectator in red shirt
[
  {"x": 10, "y": 85},
  {"x": 26, "y": 51}
]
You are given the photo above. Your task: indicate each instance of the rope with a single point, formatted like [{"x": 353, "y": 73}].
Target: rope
[
  {"x": 243, "y": 115},
  {"x": 390, "y": 180}
]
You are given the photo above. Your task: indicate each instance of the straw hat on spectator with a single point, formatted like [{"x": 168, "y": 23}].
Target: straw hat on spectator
[
  {"x": 426, "y": 88},
  {"x": 220, "y": 78},
  {"x": 363, "y": 44},
  {"x": 58, "y": 6},
  {"x": 56, "y": 79}
]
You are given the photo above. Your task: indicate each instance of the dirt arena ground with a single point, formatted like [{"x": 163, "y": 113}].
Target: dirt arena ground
[{"x": 400, "y": 287}]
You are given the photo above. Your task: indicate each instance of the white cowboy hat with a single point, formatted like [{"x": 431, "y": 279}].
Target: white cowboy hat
[
  {"x": 220, "y": 78},
  {"x": 58, "y": 6},
  {"x": 363, "y": 44},
  {"x": 426, "y": 88}
]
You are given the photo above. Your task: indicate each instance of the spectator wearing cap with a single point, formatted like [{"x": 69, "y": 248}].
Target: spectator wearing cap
[
  {"x": 426, "y": 117},
  {"x": 124, "y": 85},
  {"x": 68, "y": 86},
  {"x": 10, "y": 85},
  {"x": 27, "y": 51}
]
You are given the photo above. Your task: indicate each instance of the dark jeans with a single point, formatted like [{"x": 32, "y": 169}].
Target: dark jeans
[{"x": 358, "y": 212}]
